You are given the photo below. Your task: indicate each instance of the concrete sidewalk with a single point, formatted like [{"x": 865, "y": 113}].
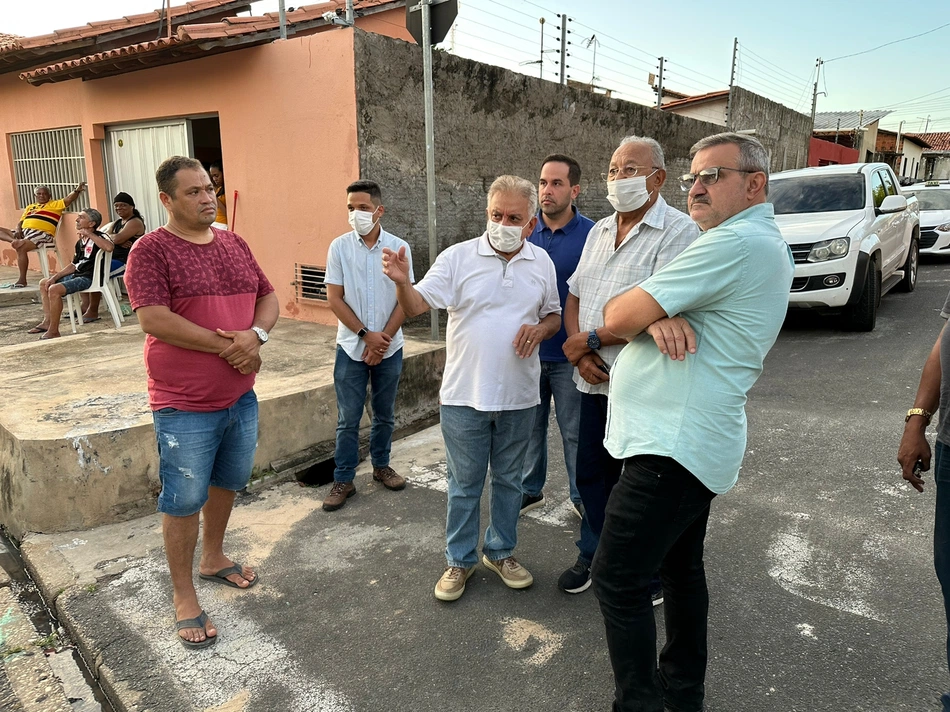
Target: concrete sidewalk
[{"x": 344, "y": 617}]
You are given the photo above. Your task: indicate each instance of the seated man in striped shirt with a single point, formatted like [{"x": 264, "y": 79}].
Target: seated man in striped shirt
[{"x": 37, "y": 226}]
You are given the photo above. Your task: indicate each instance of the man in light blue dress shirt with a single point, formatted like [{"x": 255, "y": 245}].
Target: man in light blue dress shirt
[
  {"x": 678, "y": 420},
  {"x": 369, "y": 341}
]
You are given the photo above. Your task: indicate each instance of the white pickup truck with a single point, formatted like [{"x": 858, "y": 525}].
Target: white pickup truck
[{"x": 853, "y": 234}]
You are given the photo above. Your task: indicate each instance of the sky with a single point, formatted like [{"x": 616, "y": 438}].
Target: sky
[{"x": 617, "y": 43}]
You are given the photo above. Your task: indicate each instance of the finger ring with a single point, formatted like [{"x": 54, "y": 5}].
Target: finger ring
[{"x": 528, "y": 341}]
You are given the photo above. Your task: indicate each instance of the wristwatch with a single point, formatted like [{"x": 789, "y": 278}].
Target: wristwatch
[
  {"x": 925, "y": 414},
  {"x": 593, "y": 341},
  {"x": 361, "y": 333},
  {"x": 261, "y": 334}
]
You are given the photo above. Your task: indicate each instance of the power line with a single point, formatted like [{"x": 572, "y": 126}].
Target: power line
[
  {"x": 887, "y": 44},
  {"x": 781, "y": 69}
]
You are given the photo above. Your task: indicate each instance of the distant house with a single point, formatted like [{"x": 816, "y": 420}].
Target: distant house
[
  {"x": 852, "y": 129},
  {"x": 107, "y": 102},
  {"x": 936, "y": 158},
  {"x": 711, "y": 107},
  {"x": 902, "y": 152}
]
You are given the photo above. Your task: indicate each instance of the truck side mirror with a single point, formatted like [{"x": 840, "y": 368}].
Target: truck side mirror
[{"x": 892, "y": 204}]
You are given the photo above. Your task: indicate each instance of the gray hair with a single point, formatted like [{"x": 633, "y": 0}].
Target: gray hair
[
  {"x": 518, "y": 186},
  {"x": 752, "y": 154},
  {"x": 655, "y": 148},
  {"x": 95, "y": 216},
  {"x": 43, "y": 187}
]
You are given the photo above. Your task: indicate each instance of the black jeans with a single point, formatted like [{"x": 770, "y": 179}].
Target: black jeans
[
  {"x": 596, "y": 472},
  {"x": 656, "y": 518}
]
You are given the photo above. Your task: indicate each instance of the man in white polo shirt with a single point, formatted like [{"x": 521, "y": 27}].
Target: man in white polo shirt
[{"x": 501, "y": 296}]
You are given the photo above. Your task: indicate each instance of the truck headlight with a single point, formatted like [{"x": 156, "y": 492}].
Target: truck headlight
[{"x": 829, "y": 250}]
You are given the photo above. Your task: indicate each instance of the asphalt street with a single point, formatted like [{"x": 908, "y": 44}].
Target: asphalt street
[{"x": 823, "y": 595}]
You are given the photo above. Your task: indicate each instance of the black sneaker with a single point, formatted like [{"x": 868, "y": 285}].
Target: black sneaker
[
  {"x": 657, "y": 597},
  {"x": 576, "y": 579},
  {"x": 529, "y": 502},
  {"x": 578, "y": 509}
]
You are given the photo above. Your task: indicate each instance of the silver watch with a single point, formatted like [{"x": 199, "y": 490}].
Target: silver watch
[{"x": 261, "y": 334}]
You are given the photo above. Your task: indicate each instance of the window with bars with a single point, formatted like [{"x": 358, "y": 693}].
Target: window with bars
[
  {"x": 311, "y": 282},
  {"x": 53, "y": 158}
]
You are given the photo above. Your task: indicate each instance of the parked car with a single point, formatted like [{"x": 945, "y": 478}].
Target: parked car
[
  {"x": 853, "y": 234},
  {"x": 934, "y": 197}
]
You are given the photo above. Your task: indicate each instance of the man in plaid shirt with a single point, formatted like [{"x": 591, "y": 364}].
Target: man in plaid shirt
[{"x": 622, "y": 250}]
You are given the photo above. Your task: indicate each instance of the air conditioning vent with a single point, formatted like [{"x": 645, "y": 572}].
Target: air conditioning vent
[{"x": 310, "y": 282}]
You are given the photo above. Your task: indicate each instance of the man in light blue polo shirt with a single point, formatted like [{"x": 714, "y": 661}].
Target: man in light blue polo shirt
[
  {"x": 678, "y": 420},
  {"x": 369, "y": 341},
  {"x": 562, "y": 233}
]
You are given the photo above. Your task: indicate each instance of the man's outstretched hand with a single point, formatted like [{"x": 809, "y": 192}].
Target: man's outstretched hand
[{"x": 396, "y": 265}]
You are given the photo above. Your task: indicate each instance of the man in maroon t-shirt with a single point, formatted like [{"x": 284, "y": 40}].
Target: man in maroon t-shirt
[{"x": 206, "y": 307}]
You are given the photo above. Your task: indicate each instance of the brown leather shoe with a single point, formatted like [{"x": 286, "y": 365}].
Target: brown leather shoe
[
  {"x": 389, "y": 478},
  {"x": 338, "y": 495}
]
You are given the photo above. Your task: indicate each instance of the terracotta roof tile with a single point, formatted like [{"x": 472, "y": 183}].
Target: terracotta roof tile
[
  {"x": 939, "y": 141},
  {"x": 698, "y": 99},
  {"x": 186, "y": 36}
]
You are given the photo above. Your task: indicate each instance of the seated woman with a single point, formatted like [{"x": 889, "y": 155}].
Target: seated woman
[
  {"x": 127, "y": 228},
  {"x": 74, "y": 277},
  {"x": 216, "y": 171}
]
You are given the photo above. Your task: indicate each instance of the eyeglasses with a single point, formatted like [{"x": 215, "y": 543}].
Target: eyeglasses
[
  {"x": 625, "y": 172},
  {"x": 707, "y": 176}
]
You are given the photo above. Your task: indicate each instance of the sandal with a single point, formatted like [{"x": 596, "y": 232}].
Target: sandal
[{"x": 198, "y": 622}]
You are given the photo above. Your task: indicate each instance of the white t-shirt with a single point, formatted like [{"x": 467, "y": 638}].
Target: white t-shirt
[{"x": 488, "y": 299}]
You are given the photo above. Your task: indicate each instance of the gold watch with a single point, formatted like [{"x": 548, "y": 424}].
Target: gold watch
[{"x": 925, "y": 414}]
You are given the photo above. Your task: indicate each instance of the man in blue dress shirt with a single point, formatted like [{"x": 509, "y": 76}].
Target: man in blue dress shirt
[{"x": 561, "y": 232}]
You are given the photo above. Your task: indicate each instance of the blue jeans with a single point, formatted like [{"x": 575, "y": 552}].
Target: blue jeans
[
  {"x": 475, "y": 441},
  {"x": 557, "y": 380},
  {"x": 942, "y": 539},
  {"x": 201, "y": 450},
  {"x": 656, "y": 518},
  {"x": 597, "y": 472},
  {"x": 350, "y": 379}
]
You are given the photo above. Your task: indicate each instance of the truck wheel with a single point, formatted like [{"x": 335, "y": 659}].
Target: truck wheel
[
  {"x": 909, "y": 283},
  {"x": 863, "y": 314}
]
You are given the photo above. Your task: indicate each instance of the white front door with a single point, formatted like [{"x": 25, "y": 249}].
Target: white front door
[{"x": 133, "y": 153}]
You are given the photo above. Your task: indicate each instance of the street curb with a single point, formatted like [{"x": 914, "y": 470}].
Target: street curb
[{"x": 25, "y": 667}]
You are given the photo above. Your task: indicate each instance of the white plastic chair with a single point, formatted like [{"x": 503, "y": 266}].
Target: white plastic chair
[
  {"x": 44, "y": 260},
  {"x": 101, "y": 284}
]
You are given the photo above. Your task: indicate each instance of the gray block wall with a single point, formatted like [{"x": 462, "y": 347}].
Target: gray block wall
[{"x": 490, "y": 121}]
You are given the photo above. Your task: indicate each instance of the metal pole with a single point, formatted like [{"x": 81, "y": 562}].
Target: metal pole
[
  {"x": 541, "y": 60},
  {"x": 814, "y": 107},
  {"x": 282, "y": 13},
  {"x": 732, "y": 84},
  {"x": 563, "y": 49},
  {"x": 350, "y": 13},
  {"x": 659, "y": 87},
  {"x": 837, "y": 129},
  {"x": 168, "y": 19},
  {"x": 430, "y": 145}
]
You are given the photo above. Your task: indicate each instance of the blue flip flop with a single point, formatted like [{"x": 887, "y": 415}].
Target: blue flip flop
[
  {"x": 236, "y": 568},
  {"x": 198, "y": 622}
]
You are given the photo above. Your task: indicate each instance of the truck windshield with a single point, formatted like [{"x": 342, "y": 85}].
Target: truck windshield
[
  {"x": 817, "y": 194},
  {"x": 931, "y": 199}
]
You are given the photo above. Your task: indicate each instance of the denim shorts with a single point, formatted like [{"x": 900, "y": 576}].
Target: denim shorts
[
  {"x": 76, "y": 283},
  {"x": 201, "y": 450}
]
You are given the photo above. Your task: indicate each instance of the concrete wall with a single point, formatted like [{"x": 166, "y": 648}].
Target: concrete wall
[
  {"x": 822, "y": 153},
  {"x": 491, "y": 121}
]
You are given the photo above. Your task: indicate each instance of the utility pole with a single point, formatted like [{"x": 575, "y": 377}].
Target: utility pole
[
  {"x": 541, "y": 56},
  {"x": 814, "y": 96},
  {"x": 814, "y": 107},
  {"x": 659, "y": 86},
  {"x": 564, "y": 43},
  {"x": 837, "y": 128},
  {"x": 282, "y": 15},
  {"x": 897, "y": 148},
  {"x": 732, "y": 83},
  {"x": 927, "y": 125}
]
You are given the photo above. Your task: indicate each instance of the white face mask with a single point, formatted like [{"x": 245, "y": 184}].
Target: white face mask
[
  {"x": 628, "y": 194},
  {"x": 504, "y": 238},
  {"x": 362, "y": 221}
]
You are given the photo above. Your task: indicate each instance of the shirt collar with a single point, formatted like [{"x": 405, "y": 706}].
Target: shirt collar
[
  {"x": 486, "y": 250},
  {"x": 762, "y": 210},
  {"x": 379, "y": 240},
  {"x": 572, "y": 223}
]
